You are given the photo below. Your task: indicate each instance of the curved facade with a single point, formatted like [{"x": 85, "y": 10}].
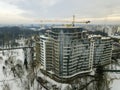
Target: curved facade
[{"x": 70, "y": 51}]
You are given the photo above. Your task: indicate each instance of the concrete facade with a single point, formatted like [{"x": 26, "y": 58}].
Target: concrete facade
[{"x": 70, "y": 51}]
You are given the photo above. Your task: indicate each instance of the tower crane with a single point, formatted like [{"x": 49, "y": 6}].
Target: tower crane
[{"x": 73, "y": 21}]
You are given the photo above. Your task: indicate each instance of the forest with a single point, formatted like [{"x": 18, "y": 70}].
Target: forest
[{"x": 11, "y": 33}]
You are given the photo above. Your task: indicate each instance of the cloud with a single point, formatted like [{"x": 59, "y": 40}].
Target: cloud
[
  {"x": 35, "y": 8},
  {"x": 41, "y": 9},
  {"x": 91, "y": 8},
  {"x": 42, "y": 3},
  {"x": 11, "y": 14}
]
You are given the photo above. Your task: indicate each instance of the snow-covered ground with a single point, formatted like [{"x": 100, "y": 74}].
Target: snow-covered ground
[
  {"x": 7, "y": 79},
  {"x": 115, "y": 85},
  {"x": 9, "y": 82}
]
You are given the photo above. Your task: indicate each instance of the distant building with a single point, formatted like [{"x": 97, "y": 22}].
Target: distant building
[{"x": 70, "y": 51}]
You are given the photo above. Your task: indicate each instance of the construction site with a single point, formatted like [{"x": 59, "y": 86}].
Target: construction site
[
  {"x": 94, "y": 73},
  {"x": 62, "y": 58}
]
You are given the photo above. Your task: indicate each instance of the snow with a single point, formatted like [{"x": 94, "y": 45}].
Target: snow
[
  {"x": 51, "y": 82},
  {"x": 14, "y": 83},
  {"x": 115, "y": 85},
  {"x": 8, "y": 79},
  {"x": 20, "y": 55}
]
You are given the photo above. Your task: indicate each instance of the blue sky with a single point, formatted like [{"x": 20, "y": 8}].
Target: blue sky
[{"x": 28, "y": 11}]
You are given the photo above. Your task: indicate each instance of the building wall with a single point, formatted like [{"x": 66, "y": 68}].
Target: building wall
[
  {"x": 67, "y": 52},
  {"x": 76, "y": 57},
  {"x": 102, "y": 51},
  {"x": 43, "y": 51}
]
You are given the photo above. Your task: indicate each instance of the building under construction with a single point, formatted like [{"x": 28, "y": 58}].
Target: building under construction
[{"x": 69, "y": 51}]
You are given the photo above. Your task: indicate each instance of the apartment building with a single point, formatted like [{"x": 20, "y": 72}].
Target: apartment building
[
  {"x": 102, "y": 50},
  {"x": 71, "y": 51}
]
